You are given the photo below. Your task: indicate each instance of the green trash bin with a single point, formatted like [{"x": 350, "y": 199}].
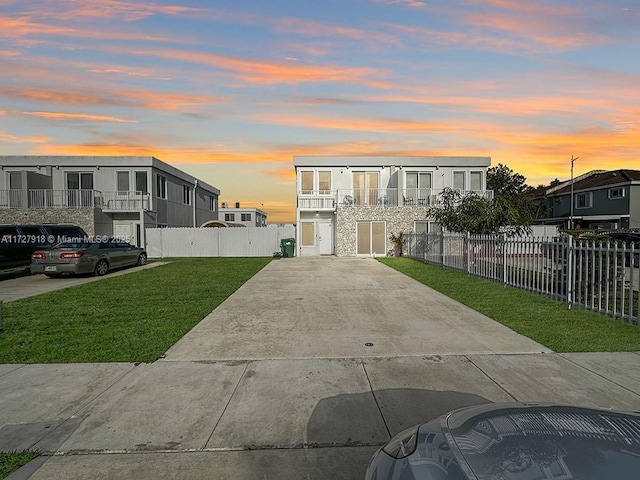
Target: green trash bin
[{"x": 288, "y": 247}]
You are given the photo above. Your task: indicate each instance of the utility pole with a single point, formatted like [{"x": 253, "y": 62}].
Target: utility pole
[{"x": 571, "y": 214}]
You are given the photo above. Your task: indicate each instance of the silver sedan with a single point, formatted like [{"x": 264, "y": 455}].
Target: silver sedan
[{"x": 86, "y": 257}]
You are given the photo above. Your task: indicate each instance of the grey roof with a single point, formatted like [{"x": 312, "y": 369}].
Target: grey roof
[{"x": 599, "y": 179}]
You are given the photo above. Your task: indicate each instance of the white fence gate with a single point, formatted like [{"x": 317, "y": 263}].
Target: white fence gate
[{"x": 216, "y": 242}]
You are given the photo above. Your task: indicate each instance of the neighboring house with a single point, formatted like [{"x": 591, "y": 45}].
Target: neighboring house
[
  {"x": 115, "y": 196},
  {"x": 247, "y": 216},
  {"x": 349, "y": 206},
  {"x": 601, "y": 199}
]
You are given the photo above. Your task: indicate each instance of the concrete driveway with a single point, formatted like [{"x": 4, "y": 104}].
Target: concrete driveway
[
  {"x": 278, "y": 382},
  {"x": 327, "y": 307},
  {"x": 30, "y": 285}
]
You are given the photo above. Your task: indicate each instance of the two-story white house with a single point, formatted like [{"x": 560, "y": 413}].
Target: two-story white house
[
  {"x": 247, "y": 216},
  {"x": 105, "y": 195},
  {"x": 350, "y": 205}
]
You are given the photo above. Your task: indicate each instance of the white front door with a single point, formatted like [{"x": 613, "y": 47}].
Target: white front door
[{"x": 325, "y": 238}]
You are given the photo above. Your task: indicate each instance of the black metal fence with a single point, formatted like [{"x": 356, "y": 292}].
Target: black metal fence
[{"x": 599, "y": 276}]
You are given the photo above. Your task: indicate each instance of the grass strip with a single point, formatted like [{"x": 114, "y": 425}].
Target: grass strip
[
  {"x": 130, "y": 318},
  {"x": 545, "y": 320},
  {"x": 12, "y": 461}
]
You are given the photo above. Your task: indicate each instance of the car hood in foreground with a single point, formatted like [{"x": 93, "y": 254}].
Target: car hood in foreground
[{"x": 538, "y": 441}]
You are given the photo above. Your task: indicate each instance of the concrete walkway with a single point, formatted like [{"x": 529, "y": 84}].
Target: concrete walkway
[
  {"x": 277, "y": 383},
  {"x": 30, "y": 285}
]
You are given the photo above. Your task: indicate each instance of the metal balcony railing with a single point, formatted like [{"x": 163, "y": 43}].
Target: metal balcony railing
[
  {"x": 47, "y": 198},
  {"x": 390, "y": 197}
]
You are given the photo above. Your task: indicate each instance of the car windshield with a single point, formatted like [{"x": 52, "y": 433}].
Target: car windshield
[{"x": 526, "y": 444}]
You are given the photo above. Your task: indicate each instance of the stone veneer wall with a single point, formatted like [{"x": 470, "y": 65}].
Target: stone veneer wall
[
  {"x": 82, "y": 217},
  {"x": 399, "y": 219}
]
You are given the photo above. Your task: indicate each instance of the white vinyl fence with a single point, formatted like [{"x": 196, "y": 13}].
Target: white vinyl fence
[
  {"x": 599, "y": 276},
  {"x": 216, "y": 242}
]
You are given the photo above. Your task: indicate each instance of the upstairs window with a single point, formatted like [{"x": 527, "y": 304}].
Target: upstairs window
[
  {"x": 186, "y": 195},
  {"x": 141, "y": 182},
  {"x": 475, "y": 181},
  {"x": 161, "y": 186},
  {"x": 616, "y": 192},
  {"x": 122, "y": 182},
  {"x": 306, "y": 182},
  {"x": 245, "y": 217},
  {"x": 324, "y": 182},
  {"x": 229, "y": 217},
  {"x": 212, "y": 203},
  {"x": 584, "y": 200},
  {"x": 458, "y": 181}
]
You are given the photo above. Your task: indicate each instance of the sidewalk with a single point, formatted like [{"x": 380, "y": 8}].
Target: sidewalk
[{"x": 262, "y": 387}]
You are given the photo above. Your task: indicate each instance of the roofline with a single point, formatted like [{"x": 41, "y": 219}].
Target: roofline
[
  {"x": 128, "y": 161},
  {"x": 392, "y": 160}
]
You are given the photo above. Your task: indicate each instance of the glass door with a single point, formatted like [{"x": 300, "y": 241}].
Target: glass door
[
  {"x": 371, "y": 238},
  {"x": 365, "y": 187}
]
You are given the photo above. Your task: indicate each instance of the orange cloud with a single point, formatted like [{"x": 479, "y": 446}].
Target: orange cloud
[
  {"x": 114, "y": 9},
  {"x": 165, "y": 101},
  {"x": 268, "y": 73},
  {"x": 312, "y": 28},
  {"x": 5, "y": 137},
  {"x": 78, "y": 116},
  {"x": 23, "y": 27}
]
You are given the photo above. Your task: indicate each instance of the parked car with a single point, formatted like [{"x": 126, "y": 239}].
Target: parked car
[
  {"x": 86, "y": 257},
  {"x": 18, "y": 242},
  {"x": 515, "y": 441}
]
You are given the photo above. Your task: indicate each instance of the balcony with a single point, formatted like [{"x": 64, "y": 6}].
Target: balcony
[
  {"x": 45, "y": 198},
  {"x": 392, "y": 197}
]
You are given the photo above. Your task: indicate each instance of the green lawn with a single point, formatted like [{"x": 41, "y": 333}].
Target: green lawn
[
  {"x": 12, "y": 461},
  {"x": 129, "y": 318},
  {"x": 542, "y": 319}
]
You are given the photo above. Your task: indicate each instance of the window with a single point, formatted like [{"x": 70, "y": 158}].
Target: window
[
  {"x": 229, "y": 217},
  {"x": 421, "y": 227},
  {"x": 475, "y": 180},
  {"x": 371, "y": 238},
  {"x": 324, "y": 182},
  {"x": 161, "y": 186},
  {"x": 308, "y": 235},
  {"x": 141, "y": 183},
  {"x": 306, "y": 179},
  {"x": 245, "y": 217},
  {"x": 15, "y": 180},
  {"x": 80, "y": 186},
  {"x": 458, "y": 181},
  {"x": 426, "y": 227},
  {"x": 122, "y": 182},
  {"x": 418, "y": 188},
  {"x": 186, "y": 195},
  {"x": 212, "y": 203},
  {"x": 616, "y": 192},
  {"x": 365, "y": 187},
  {"x": 584, "y": 200}
]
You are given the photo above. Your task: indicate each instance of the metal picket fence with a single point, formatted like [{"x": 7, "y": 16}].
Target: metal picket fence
[{"x": 599, "y": 276}]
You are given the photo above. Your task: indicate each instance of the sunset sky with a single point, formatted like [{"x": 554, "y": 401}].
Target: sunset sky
[{"x": 230, "y": 91}]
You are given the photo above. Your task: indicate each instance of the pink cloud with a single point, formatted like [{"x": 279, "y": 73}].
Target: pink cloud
[{"x": 78, "y": 116}]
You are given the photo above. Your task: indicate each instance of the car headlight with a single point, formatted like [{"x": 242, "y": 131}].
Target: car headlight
[{"x": 403, "y": 444}]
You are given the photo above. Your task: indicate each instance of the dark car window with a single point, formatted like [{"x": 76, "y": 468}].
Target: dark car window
[
  {"x": 31, "y": 230},
  {"x": 7, "y": 233},
  {"x": 63, "y": 232},
  {"x": 107, "y": 245}
]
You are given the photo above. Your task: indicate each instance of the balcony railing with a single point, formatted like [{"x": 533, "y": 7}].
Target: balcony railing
[
  {"x": 392, "y": 197},
  {"x": 46, "y": 198}
]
